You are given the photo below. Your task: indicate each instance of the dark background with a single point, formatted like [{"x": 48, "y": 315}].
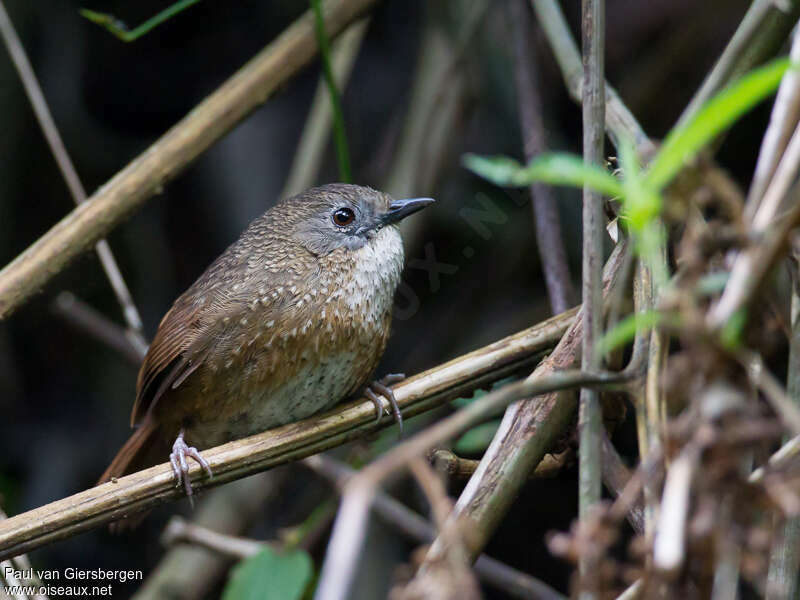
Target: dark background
[{"x": 65, "y": 399}]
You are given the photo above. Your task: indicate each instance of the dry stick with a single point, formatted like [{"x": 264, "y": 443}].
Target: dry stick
[
  {"x": 616, "y": 476},
  {"x": 8, "y": 573},
  {"x": 181, "y": 531},
  {"x": 547, "y": 223},
  {"x": 455, "y": 567},
  {"x": 590, "y": 416},
  {"x": 753, "y": 264},
  {"x": 784, "y": 407},
  {"x": 515, "y": 583},
  {"x": 167, "y": 157},
  {"x": 457, "y": 468},
  {"x": 761, "y": 32},
  {"x": 783, "y": 575},
  {"x": 88, "y": 320},
  {"x": 646, "y": 428},
  {"x": 344, "y": 549},
  {"x": 316, "y": 132},
  {"x": 782, "y": 122},
  {"x": 620, "y": 122},
  {"x": 186, "y": 573},
  {"x": 48, "y": 125},
  {"x": 237, "y": 459}
]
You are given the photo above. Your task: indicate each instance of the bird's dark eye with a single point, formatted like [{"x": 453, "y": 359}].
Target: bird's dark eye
[{"x": 343, "y": 216}]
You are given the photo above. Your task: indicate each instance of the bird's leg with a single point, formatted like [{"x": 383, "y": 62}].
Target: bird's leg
[
  {"x": 180, "y": 450},
  {"x": 379, "y": 388}
]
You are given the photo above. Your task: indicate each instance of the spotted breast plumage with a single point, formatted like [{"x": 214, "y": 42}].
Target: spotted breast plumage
[{"x": 289, "y": 320}]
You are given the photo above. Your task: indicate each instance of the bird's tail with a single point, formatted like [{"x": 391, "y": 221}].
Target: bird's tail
[
  {"x": 134, "y": 454},
  {"x": 143, "y": 449}
]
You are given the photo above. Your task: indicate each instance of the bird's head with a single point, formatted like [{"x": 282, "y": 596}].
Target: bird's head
[{"x": 340, "y": 215}]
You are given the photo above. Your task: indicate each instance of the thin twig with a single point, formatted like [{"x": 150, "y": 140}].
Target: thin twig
[
  {"x": 146, "y": 176},
  {"x": 8, "y": 569},
  {"x": 458, "y": 468},
  {"x": 670, "y": 538},
  {"x": 547, "y": 224},
  {"x": 95, "y": 324},
  {"x": 517, "y": 584},
  {"x": 179, "y": 530},
  {"x": 237, "y": 459},
  {"x": 787, "y": 410},
  {"x": 782, "y": 577},
  {"x": 620, "y": 122},
  {"x": 782, "y": 122},
  {"x": 615, "y": 477},
  {"x": 761, "y": 32},
  {"x": 753, "y": 264},
  {"x": 76, "y": 189},
  {"x": 186, "y": 573},
  {"x": 590, "y": 416}
]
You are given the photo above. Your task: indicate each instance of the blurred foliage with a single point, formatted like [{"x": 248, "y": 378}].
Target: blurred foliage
[
  {"x": 639, "y": 192},
  {"x": 477, "y": 439},
  {"x": 270, "y": 575}
]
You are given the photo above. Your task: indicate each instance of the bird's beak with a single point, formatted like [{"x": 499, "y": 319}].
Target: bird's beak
[{"x": 400, "y": 209}]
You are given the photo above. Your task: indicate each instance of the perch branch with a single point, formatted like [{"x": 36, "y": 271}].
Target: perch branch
[
  {"x": 167, "y": 157},
  {"x": 237, "y": 459}
]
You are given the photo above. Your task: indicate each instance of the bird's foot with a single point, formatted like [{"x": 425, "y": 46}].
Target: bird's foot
[
  {"x": 180, "y": 468},
  {"x": 380, "y": 388}
]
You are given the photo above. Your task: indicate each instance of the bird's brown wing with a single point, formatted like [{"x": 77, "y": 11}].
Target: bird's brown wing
[{"x": 166, "y": 360}]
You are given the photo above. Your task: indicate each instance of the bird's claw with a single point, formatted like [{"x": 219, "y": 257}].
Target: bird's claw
[
  {"x": 380, "y": 388},
  {"x": 180, "y": 468}
]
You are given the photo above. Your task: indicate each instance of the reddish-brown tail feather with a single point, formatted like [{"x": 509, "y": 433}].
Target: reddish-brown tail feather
[
  {"x": 143, "y": 449},
  {"x": 133, "y": 455}
]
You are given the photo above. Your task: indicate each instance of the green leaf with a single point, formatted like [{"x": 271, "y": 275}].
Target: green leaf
[
  {"x": 683, "y": 143},
  {"x": 121, "y": 31},
  {"x": 640, "y": 204},
  {"x": 731, "y": 334},
  {"x": 555, "y": 169},
  {"x": 477, "y": 439},
  {"x": 626, "y": 330},
  {"x": 270, "y": 575}
]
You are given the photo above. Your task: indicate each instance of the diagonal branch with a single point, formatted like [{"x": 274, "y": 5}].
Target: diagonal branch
[
  {"x": 146, "y": 175},
  {"x": 240, "y": 458},
  {"x": 76, "y": 189}
]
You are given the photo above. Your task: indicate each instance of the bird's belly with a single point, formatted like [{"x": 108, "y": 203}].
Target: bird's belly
[{"x": 313, "y": 388}]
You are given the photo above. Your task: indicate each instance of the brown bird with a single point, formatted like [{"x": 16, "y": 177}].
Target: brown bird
[{"x": 289, "y": 320}]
